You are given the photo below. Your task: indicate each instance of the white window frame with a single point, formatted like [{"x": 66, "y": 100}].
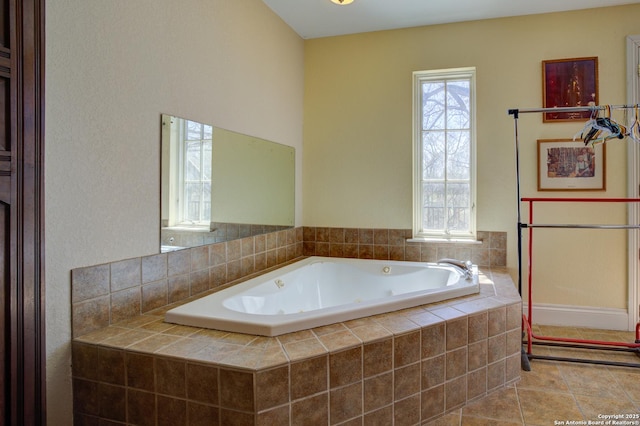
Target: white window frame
[
  {"x": 440, "y": 75},
  {"x": 181, "y": 179}
]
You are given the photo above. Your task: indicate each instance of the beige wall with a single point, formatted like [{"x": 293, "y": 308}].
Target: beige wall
[
  {"x": 112, "y": 68},
  {"x": 357, "y": 134}
]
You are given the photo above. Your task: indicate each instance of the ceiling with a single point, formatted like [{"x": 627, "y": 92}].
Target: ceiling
[{"x": 321, "y": 18}]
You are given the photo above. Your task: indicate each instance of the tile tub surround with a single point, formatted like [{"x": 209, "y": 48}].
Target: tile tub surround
[
  {"x": 408, "y": 367},
  {"x": 112, "y": 292},
  {"x": 391, "y": 244}
]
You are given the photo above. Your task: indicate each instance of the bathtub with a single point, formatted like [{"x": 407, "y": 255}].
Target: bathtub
[{"x": 319, "y": 291}]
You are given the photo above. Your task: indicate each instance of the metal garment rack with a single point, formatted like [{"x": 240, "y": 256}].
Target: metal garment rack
[{"x": 565, "y": 342}]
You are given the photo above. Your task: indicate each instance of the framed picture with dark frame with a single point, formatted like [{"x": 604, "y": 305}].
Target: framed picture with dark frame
[
  {"x": 569, "y": 83},
  {"x": 565, "y": 165}
]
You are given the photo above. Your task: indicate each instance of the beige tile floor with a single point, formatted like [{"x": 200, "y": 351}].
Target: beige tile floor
[{"x": 559, "y": 393}]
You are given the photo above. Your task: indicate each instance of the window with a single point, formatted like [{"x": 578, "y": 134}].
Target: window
[
  {"x": 444, "y": 154},
  {"x": 196, "y": 173}
]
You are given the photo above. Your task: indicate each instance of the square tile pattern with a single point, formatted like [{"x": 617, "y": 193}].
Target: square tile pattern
[
  {"x": 454, "y": 363},
  {"x": 404, "y": 368},
  {"x": 109, "y": 293},
  {"x": 407, "y": 367},
  {"x": 563, "y": 393}
]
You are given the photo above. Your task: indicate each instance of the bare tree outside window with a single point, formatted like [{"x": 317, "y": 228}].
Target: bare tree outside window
[
  {"x": 445, "y": 148},
  {"x": 197, "y": 172}
]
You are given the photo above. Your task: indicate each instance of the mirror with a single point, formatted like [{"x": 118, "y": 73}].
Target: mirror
[{"x": 218, "y": 185}]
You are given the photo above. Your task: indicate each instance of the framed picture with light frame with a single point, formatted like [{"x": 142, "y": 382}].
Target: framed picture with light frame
[{"x": 566, "y": 165}]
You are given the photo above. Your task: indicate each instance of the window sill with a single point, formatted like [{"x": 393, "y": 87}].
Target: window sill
[
  {"x": 189, "y": 228},
  {"x": 444, "y": 240}
]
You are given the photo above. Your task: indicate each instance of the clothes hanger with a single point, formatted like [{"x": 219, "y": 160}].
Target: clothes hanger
[
  {"x": 602, "y": 129},
  {"x": 590, "y": 130}
]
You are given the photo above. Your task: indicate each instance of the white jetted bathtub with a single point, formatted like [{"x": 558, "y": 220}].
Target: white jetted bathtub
[{"x": 318, "y": 291}]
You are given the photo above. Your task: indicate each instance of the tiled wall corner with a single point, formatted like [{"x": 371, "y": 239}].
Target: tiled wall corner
[
  {"x": 108, "y": 293},
  {"x": 112, "y": 292}
]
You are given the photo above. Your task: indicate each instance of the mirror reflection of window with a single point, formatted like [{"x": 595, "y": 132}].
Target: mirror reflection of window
[
  {"x": 217, "y": 185},
  {"x": 196, "y": 173}
]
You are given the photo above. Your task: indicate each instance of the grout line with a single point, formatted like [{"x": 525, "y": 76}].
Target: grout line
[{"x": 519, "y": 405}]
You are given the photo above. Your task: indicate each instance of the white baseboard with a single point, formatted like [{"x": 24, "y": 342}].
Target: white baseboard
[{"x": 579, "y": 316}]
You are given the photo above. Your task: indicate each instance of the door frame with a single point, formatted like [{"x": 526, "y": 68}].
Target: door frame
[
  {"x": 633, "y": 183},
  {"x": 26, "y": 350}
]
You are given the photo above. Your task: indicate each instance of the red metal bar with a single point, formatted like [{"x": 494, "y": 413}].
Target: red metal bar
[
  {"x": 530, "y": 266},
  {"x": 527, "y": 320},
  {"x": 585, "y": 200},
  {"x": 586, "y": 341}
]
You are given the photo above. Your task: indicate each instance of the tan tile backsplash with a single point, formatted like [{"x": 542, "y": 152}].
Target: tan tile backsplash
[
  {"x": 392, "y": 244},
  {"x": 404, "y": 367},
  {"x": 109, "y": 293}
]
